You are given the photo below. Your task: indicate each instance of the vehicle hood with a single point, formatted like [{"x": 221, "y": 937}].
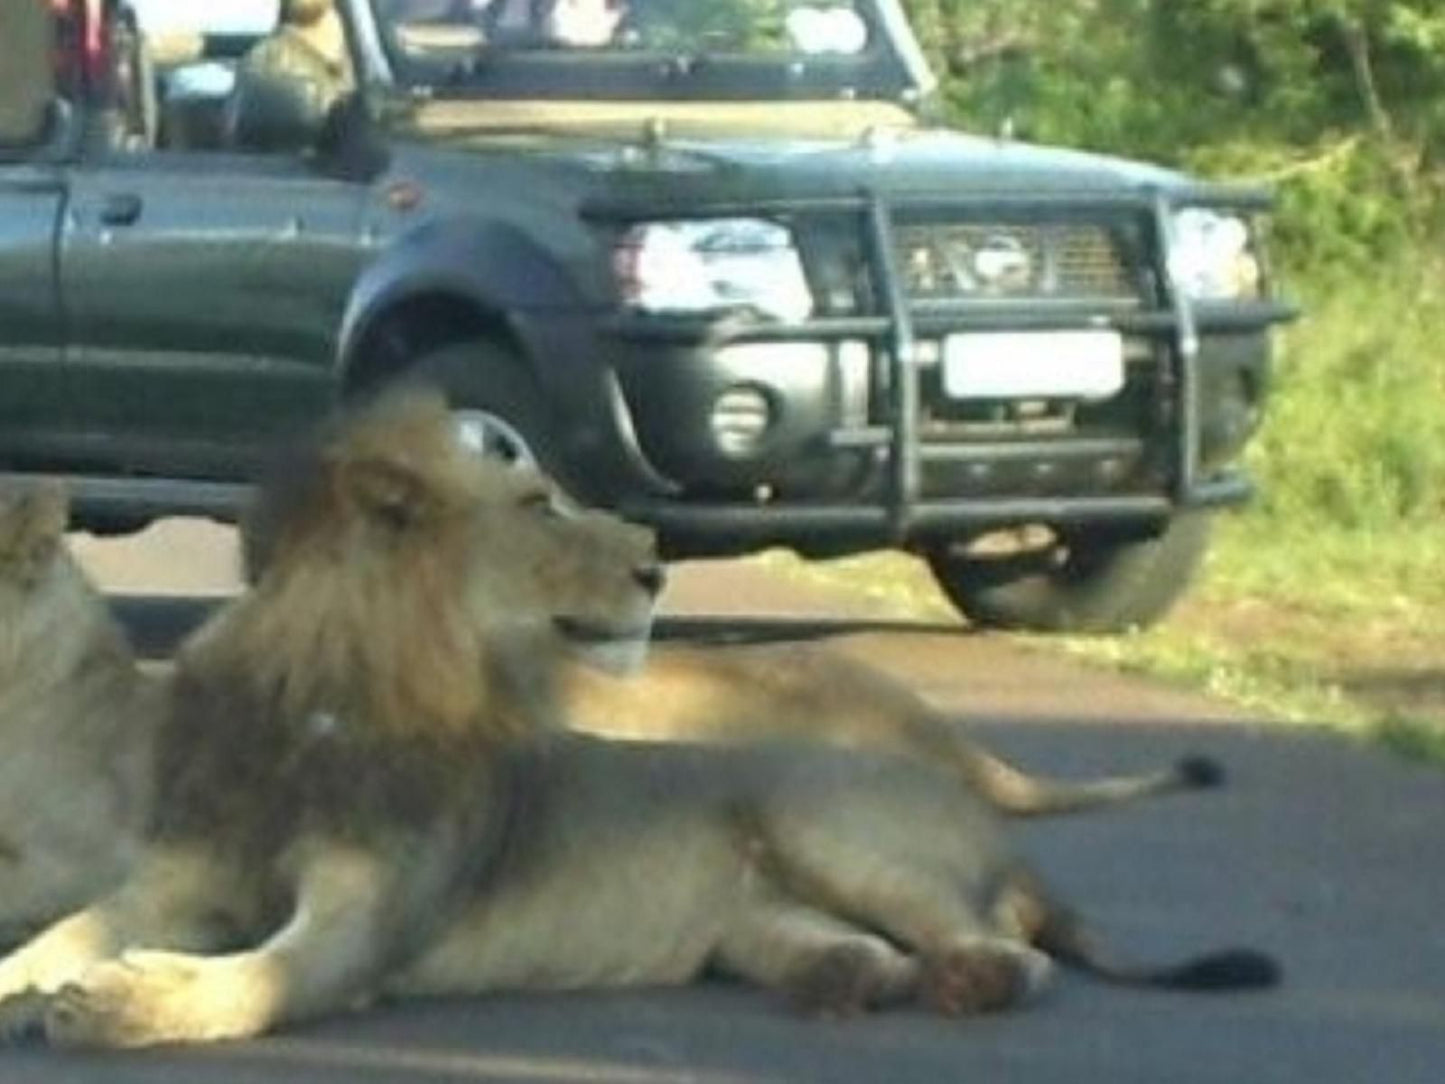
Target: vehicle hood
[{"x": 780, "y": 149}]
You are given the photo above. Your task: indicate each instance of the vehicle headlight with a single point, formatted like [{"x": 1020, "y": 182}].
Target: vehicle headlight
[
  {"x": 713, "y": 265},
  {"x": 1213, "y": 256}
]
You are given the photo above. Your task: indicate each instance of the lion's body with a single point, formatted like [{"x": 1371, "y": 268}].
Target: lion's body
[
  {"x": 75, "y": 722},
  {"x": 730, "y": 693},
  {"x": 362, "y": 788},
  {"x": 76, "y": 726},
  {"x": 725, "y": 694},
  {"x": 686, "y": 856}
]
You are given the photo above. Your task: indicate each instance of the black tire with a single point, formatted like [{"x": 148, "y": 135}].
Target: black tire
[
  {"x": 489, "y": 387},
  {"x": 110, "y": 525},
  {"x": 1083, "y": 584}
]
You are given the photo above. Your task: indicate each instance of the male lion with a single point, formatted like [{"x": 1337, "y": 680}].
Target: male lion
[
  {"x": 75, "y": 722},
  {"x": 732, "y": 693},
  {"x": 361, "y": 790}
]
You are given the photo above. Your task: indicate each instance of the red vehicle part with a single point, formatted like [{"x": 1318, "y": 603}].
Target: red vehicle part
[{"x": 82, "y": 60}]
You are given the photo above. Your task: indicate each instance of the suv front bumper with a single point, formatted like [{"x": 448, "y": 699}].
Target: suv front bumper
[
  {"x": 831, "y": 476},
  {"x": 818, "y": 481}
]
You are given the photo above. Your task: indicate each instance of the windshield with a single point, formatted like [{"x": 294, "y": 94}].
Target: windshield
[
  {"x": 621, "y": 49},
  {"x": 252, "y": 17}
]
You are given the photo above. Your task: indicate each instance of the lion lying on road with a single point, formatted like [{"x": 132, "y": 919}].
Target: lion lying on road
[
  {"x": 361, "y": 783},
  {"x": 333, "y": 764},
  {"x": 75, "y": 722},
  {"x": 721, "y": 694}
]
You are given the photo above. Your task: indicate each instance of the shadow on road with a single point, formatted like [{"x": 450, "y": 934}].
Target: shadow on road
[
  {"x": 707, "y": 629},
  {"x": 157, "y": 623}
]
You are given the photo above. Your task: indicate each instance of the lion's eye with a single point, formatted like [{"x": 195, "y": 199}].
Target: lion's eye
[{"x": 537, "y": 500}]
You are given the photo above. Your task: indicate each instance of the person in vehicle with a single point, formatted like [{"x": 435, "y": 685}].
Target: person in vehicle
[
  {"x": 288, "y": 83},
  {"x": 308, "y": 44},
  {"x": 571, "y": 24},
  {"x": 567, "y": 24}
]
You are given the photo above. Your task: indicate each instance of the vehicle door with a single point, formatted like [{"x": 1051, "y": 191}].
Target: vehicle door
[
  {"x": 204, "y": 292},
  {"x": 32, "y": 185},
  {"x": 204, "y": 286}
]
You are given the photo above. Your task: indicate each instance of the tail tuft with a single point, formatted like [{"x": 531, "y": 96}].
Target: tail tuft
[
  {"x": 1200, "y": 772},
  {"x": 1232, "y": 969}
]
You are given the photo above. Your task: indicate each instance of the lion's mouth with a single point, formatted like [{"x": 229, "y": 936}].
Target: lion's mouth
[
  {"x": 614, "y": 648},
  {"x": 581, "y": 631}
]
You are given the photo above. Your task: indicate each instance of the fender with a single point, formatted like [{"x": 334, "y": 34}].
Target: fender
[{"x": 494, "y": 266}]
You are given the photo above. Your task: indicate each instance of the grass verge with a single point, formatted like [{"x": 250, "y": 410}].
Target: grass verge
[
  {"x": 1319, "y": 630},
  {"x": 1325, "y": 602}
]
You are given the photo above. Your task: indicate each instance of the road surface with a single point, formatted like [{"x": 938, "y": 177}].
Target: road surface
[{"x": 1329, "y": 855}]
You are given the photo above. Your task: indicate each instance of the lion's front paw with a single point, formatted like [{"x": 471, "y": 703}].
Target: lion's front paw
[
  {"x": 141, "y": 999},
  {"x": 22, "y": 1015}
]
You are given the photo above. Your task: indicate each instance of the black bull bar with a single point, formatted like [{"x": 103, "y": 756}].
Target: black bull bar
[{"x": 894, "y": 331}]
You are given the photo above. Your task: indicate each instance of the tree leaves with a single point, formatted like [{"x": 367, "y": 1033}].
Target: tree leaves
[{"x": 1198, "y": 82}]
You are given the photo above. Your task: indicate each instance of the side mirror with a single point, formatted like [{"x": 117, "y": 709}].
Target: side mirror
[
  {"x": 27, "y": 73},
  {"x": 273, "y": 112}
]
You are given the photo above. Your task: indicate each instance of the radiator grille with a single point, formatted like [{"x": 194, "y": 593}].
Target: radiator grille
[{"x": 980, "y": 261}]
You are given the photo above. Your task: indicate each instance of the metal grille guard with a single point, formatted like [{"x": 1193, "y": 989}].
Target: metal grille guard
[{"x": 904, "y": 515}]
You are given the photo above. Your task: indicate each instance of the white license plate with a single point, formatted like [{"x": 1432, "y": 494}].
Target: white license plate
[{"x": 1033, "y": 365}]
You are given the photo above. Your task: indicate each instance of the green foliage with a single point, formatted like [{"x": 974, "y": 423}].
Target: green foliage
[
  {"x": 1341, "y": 103},
  {"x": 1412, "y": 739},
  {"x": 1355, "y": 434}
]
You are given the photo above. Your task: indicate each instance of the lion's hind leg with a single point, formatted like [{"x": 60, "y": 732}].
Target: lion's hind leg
[
  {"x": 826, "y": 966},
  {"x": 978, "y": 975},
  {"x": 323, "y": 959},
  {"x": 924, "y": 891}
]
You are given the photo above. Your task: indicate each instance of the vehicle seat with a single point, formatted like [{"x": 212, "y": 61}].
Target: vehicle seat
[
  {"x": 274, "y": 112},
  {"x": 193, "y": 108}
]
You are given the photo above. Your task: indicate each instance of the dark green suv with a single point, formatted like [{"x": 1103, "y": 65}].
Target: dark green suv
[{"x": 705, "y": 260}]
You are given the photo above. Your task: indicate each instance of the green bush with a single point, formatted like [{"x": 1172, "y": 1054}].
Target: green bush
[
  {"x": 1341, "y": 107},
  {"x": 1355, "y": 434},
  {"x": 1343, "y": 104}
]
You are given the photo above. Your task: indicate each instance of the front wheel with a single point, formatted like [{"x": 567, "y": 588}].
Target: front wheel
[
  {"x": 497, "y": 410},
  {"x": 1076, "y": 583}
]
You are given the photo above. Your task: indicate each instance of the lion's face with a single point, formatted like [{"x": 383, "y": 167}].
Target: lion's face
[
  {"x": 398, "y": 476},
  {"x": 590, "y": 578}
]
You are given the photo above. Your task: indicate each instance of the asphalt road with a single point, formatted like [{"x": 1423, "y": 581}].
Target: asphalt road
[{"x": 1330, "y": 856}]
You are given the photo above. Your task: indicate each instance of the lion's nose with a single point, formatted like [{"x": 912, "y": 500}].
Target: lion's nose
[{"x": 651, "y": 578}]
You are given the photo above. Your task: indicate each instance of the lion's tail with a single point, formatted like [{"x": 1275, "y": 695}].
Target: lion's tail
[
  {"x": 1060, "y": 932},
  {"x": 1023, "y": 794},
  {"x": 1018, "y": 793}
]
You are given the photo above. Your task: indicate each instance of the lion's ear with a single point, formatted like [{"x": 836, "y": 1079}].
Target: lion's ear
[
  {"x": 36, "y": 522},
  {"x": 386, "y": 491},
  {"x": 46, "y": 507}
]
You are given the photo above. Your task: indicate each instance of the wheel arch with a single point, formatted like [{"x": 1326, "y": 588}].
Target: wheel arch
[
  {"x": 446, "y": 282},
  {"x": 1116, "y": 587},
  {"x": 419, "y": 323}
]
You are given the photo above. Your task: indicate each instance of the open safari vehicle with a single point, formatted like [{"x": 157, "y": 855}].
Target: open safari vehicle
[{"x": 713, "y": 263}]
